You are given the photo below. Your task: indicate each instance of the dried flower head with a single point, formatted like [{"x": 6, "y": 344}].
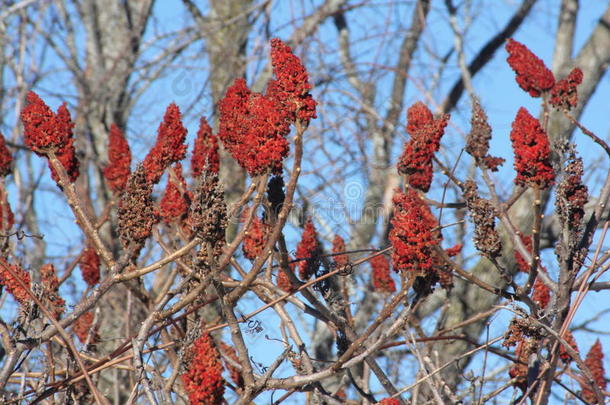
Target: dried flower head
[
  {"x": 532, "y": 152},
  {"x": 176, "y": 200},
  {"x": 520, "y": 329},
  {"x": 205, "y": 152},
  {"x": 208, "y": 213},
  {"x": 426, "y": 132},
  {"x": 6, "y": 159},
  {"x": 382, "y": 280},
  {"x": 307, "y": 251},
  {"x": 253, "y": 129},
  {"x": 169, "y": 147},
  {"x": 10, "y": 282},
  {"x": 572, "y": 195},
  {"x": 594, "y": 362},
  {"x": 413, "y": 235},
  {"x": 89, "y": 263},
  {"x": 136, "y": 213},
  {"x": 532, "y": 75},
  {"x": 119, "y": 160},
  {"x": 483, "y": 214},
  {"x": 255, "y": 238},
  {"x": 477, "y": 142},
  {"x": 564, "y": 94},
  {"x": 291, "y": 85},
  {"x": 339, "y": 256},
  {"x": 493, "y": 162},
  {"x": 202, "y": 378},
  {"x": 50, "y": 285}
]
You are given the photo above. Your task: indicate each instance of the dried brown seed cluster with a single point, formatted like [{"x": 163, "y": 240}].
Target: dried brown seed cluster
[
  {"x": 520, "y": 329},
  {"x": 50, "y": 285},
  {"x": 486, "y": 238},
  {"x": 572, "y": 195},
  {"x": 477, "y": 142},
  {"x": 136, "y": 214},
  {"x": 208, "y": 213}
]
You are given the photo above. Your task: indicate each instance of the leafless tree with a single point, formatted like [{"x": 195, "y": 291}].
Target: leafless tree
[{"x": 334, "y": 338}]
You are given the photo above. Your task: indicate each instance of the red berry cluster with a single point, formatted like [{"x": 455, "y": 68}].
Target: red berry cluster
[
  {"x": 205, "y": 157},
  {"x": 426, "y": 132},
  {"x": 307, "y": 250},
  {"x": 203, "y": 377},
  {"x": 47, "y": 132},
  {"x": 291, "y": 86},
  {"x": 90, "y": 266},
  {"x": 82, "y": 328},
  {"x": 253, "y": 127},
  {"x": 454, "y": 250},
  {"x": 413, "y": 236},
  {"x": 339, "y": 256},
  {"x": 563, "y": 353},
  {"x": 541, "y": 293},
  {"x": 532, "y": 152},
  {"x": 389, "y": 401},
  {"x": 11, "y": 283},
  {"x": 119, "y": 160},
  {"x": 535, "y": 78},
  {"x": 255, "y": 238},
  {"x": 382, "y": 280},
  {"x": 594, "y": 362},
  {"x": 169, "y": 147},
  {"x": 283, "y": 282},
  {"x": 176, "y": 200},
  {"x": 532, "y": 75}
]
